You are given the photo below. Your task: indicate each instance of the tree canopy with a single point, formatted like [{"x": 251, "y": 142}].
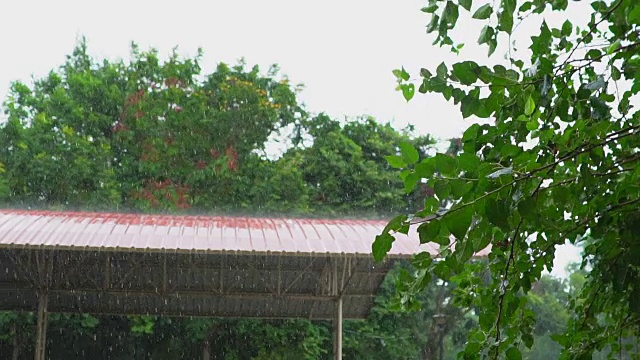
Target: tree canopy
[
  {"x": 159, "y": 135},
  {"x": 557, "y": 161}
]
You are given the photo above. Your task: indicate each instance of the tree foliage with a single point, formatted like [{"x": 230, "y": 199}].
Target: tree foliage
[
  {"x": 145, "y": 134},
  {"x": 557, "y": 162}
]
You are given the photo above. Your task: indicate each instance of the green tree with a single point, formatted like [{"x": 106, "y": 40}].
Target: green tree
[
  {"x": 146, "y": 134},
  {"x": 393, "y": 333},
  {"x": 559, "y": 160},
  {"x": 345, "y": 168}
]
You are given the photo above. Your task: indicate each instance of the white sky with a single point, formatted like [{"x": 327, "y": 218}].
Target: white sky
[{"x": 343, "y": 51}]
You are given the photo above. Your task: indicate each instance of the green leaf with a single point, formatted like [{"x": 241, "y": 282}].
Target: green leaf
[
  {"x": 401, "y": 74},
  {"x": 433, "y": 24},
  {"x": 497, "y": 213},
  {"x": 409, "y": 153},
  {"x": 527, "y": 208},
  {"x": 408, "y": 90},
  {"x": 431, "y": 8},
  {"x": 443, "y": 240},
  {"x": 442, "y": 189},
  {"x": 469, "y": 105},
  {"x": 441, "y": 71},
  {"x": 483, "y": 12},
  {"x": 445, "y": 164},
  {"x": 529, "y": 106},
  {"x": 466, "y": 71},
  {"x": 559, "y": 4},
  {"x": 425, "y": 73},
  {"x": 513, "y": 353},
  {"x": 429, "y": 231},
  {"x": 471, "y": 134},
  {"x": 381, "y": 246},
  {"x": 634, "y": 15},
  {"x": 458, "y": 222},
  {"x": 425, "y": 86},
  {"x": 493, "y": 44},
  {"x": 532, "y": 125},
  {"x": 567, "y": 28},
  {"x": 431, "y": 205},
  {"x": 486, "y": 318},
  {"x": 528, "y": 340},
  {"x": 466, "y": 4},
  {"x": 395, "y": 224},
  {"x": 486, "y": 34},
  {"x": 450, "y": 14},
  {"x": 505, "y": 19},
  {"x": 460, "y": 187},
  {"x": 422, "y": 260},
  {"x": 396, "y": 161},
  {"x": 615, "y": 73},
  {"x": 468, "y": 162},
  {"x": 426, "y": 168},
  {"x": 410, "y": 182},
  {"x": 613, "y": 47}
]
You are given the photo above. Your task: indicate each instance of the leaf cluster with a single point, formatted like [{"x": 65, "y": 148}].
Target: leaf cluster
[{"x": 558, "y": 162}]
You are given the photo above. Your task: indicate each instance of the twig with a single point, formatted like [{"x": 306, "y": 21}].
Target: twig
[
  {"x": 439, "y": 216},
  {"x": 612, "y": 172},
  {"x": 503, "y": 292},
  {"x": 623, "y": 204},
  {"x": 593, "y": 28},
  {"x": 585, "y": 148}
]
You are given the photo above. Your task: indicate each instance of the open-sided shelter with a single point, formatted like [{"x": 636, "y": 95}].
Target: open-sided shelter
[{"x": 114, "y": 263}]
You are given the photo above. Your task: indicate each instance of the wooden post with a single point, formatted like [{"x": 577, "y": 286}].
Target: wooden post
[
  {"x": 337, "y": 320},
  {"x": 206, "y": 350},
  {"x": 41, "y": 336},
  {"x": 15, "y": 355},
  {"x": 337, "y": 330},
  {"x": 44, "y": 263}
]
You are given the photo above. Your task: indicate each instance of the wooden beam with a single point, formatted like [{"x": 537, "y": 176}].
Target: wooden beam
[
  {"x": 327, "y": 316},
  {"x": 298, "y": 277},
  {"x": 21, "y": 286},
  {"x": 196, "y": 293}
]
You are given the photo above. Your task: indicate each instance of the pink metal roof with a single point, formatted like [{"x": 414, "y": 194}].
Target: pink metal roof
[{"x": 97, "y": 231}]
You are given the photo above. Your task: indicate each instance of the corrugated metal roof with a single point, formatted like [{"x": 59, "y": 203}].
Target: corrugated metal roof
[
  {"x": 192, "y": 265},
  {"x": 217, "y": 234}
]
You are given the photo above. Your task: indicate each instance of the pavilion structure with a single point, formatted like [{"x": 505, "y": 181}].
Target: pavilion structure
[{"x": 114, "y": 263}]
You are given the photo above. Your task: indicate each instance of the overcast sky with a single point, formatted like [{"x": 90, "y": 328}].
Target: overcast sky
[{"x": 342, "y": 50}]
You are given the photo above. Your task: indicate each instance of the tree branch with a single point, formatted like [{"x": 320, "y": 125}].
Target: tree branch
[
  {"x": 503, "y": 292},
  {"x": 592, "y": 29}
]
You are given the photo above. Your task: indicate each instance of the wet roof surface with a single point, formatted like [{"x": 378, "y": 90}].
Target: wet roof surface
[{"x": 87, "y": 230}]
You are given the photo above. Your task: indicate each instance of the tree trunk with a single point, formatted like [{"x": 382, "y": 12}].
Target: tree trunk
[{"x": 431, "y": 348}]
